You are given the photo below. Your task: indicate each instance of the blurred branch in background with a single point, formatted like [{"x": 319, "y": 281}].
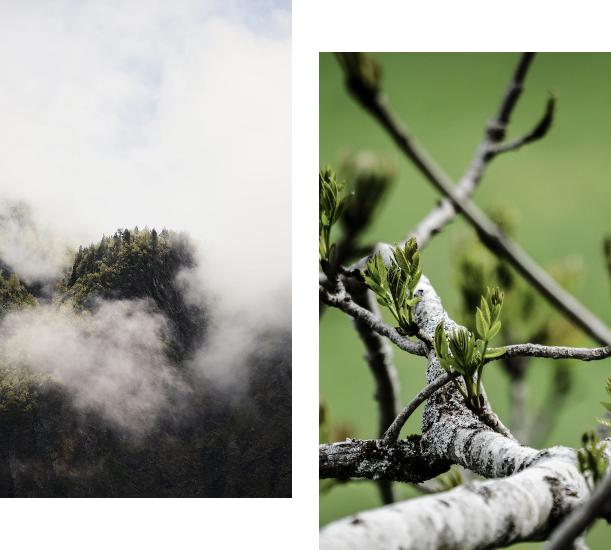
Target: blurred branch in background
[
  {"x": 528, "y": 319},
  {"x": 379, "y": 357},
  {"x": 363, "y": 80}
]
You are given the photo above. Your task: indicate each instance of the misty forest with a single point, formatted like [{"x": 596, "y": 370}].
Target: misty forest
[{"x": 120, "y": 378}]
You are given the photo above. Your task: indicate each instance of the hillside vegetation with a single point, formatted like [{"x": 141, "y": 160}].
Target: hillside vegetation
[{"x": 204, "y": 443}]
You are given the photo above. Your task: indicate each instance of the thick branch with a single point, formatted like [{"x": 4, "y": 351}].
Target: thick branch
[
  {"x": 538, "y": 489},
  {"x": 403, "y": 461},
  {"x": 344, "y": 302},
  {"x": 582, "y": 517},
  {"x": 482, "y": 515}
]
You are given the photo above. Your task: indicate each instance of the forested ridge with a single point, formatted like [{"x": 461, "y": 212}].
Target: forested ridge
[{"x": 201, "y": 443}]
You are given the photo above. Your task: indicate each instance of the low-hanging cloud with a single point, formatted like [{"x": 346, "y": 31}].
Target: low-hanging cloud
[
  {"x": 112, "y": 362},
  {"x": 36, "y": 253}
]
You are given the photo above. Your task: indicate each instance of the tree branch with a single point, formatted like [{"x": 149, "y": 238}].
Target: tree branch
[
  {"x": 554, "y": 352},
  {"x": 403, "y": 461},
  {"x": 392, "y": 434},
  {"x": 524, "y": 507},
  {"x": 445, "y": 211},
  {"x": 343, "y": 301},
  {"x": 490, "y": 234},
  {"x": 379, "y": 357},
  {"x": 537, "y": 133},
  {"x": 483, "y": 515},
  {"x": 582, "y": 517}
]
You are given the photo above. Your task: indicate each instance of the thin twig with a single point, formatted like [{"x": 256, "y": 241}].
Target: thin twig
[
  {"x": 537, "y": 133},
  {"x": 344, "y": 302},
  {"x": 392, "y": 434},
  {"x": 445, "y": 211},
  {"x": 581, "y": 518},
  {"x": 554, "y": 352},
  {"x": 490, "y": 234}
]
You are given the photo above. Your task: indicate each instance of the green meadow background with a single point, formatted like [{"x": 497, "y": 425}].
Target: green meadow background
[{"x": 560, "y": 188}]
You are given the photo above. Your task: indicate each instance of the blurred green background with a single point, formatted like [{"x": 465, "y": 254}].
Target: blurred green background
[{"x": 559, "y": 187}]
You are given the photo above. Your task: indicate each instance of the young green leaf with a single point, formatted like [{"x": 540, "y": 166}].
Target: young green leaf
[
  {"x": 441, "y": 346},
  {"x": 375, "y": 286},
  {"x": 401, "y": 259},
  {"x": 414, "y": 281},
  {"x": 485, "y": 311},
  {"x": 481, "y": 324},
  {"x": 415, "y": 263},
  {"x": 492, "y": 353},
  {"x": 493, "y": 331}
]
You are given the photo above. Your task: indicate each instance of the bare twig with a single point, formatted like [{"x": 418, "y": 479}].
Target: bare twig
[
  {"x": 537, "y": 133},
  {"x": 445, "y": 211},
  {"x": 490, "y": 234},
  {"x": 555, "y": 352},
  {"x": 344, "y": 302},
  {"x": 392, "y": 434},
  {"x": 582, "y": 517}
]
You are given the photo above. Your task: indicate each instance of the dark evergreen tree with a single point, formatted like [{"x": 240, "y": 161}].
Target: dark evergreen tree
[{"x": 73, "y": 277}]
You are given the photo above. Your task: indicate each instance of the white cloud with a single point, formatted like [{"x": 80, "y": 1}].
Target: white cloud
[
  {"x": 178, "y": 114},
  {"x": 112, "y": 361}
]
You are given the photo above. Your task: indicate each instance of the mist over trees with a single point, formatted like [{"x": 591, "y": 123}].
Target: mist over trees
[{"x": 102, "y": 389}]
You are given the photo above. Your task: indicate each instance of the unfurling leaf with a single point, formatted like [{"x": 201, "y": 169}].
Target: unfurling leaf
[
  {"x": 414, "y": 281},
  {"x": 493, "y": 331},
  {"x": 491, "y": 353},
  {"x": 485, "y": 311},
  {"x": 375, "y": 286},
  {"x": 481, "y": 324},
  {"x": 401, "y": 259},
  {"x": 415, "y": 263}
]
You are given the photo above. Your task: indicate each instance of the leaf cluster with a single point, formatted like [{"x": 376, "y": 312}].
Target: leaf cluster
[
  {"x": 395, "y": 285},
  {"x": 330, "y": 207},
  {"x": 590, "y": 459},
  {"x": 468, "y": 355}
]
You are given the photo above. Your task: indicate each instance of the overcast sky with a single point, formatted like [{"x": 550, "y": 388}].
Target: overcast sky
[{"x": 176, "y": 114}]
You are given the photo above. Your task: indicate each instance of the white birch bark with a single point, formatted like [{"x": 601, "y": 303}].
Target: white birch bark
[{"x": 536, "y": 489}]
